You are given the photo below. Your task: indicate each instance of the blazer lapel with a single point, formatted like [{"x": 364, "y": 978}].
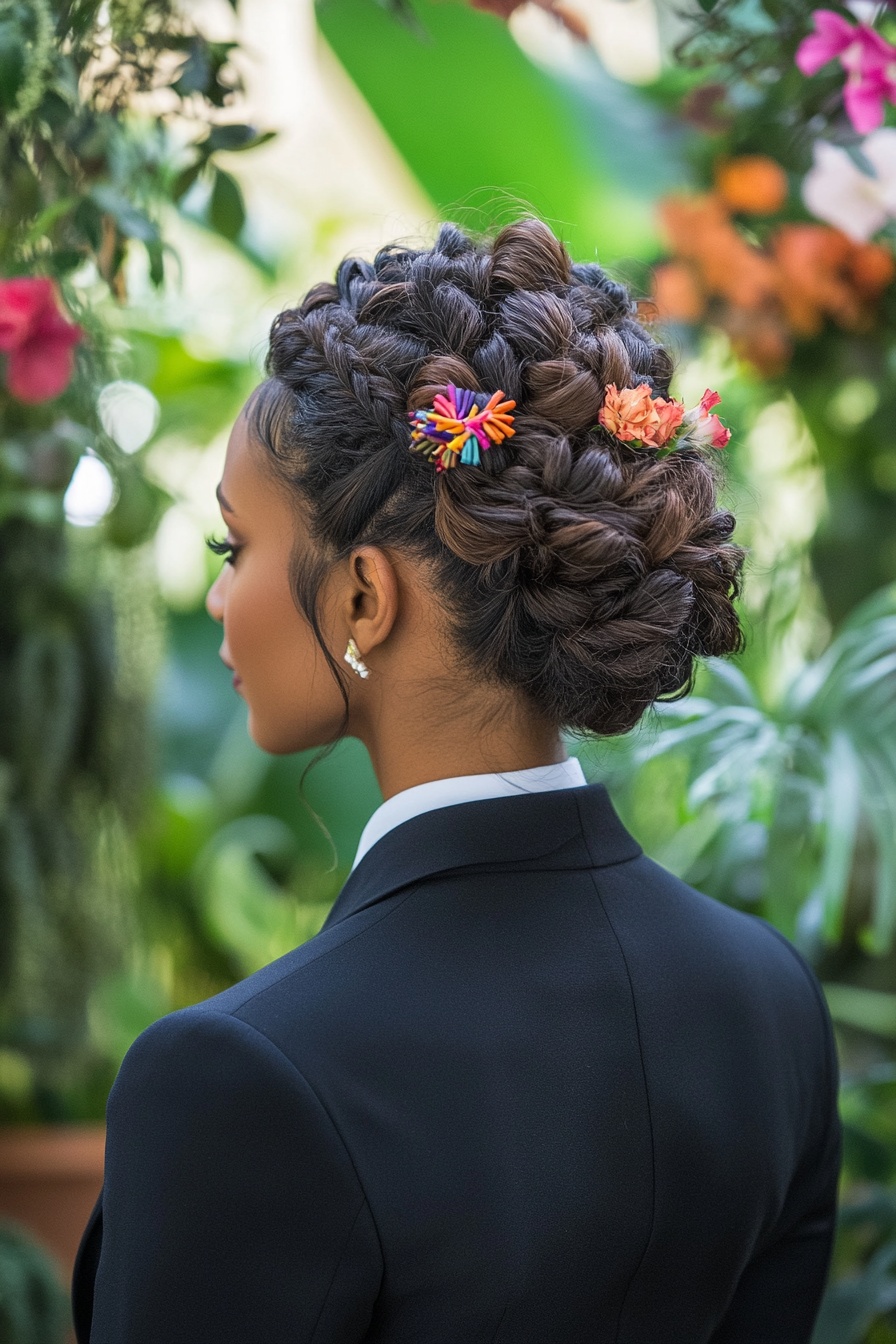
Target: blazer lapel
[{"x": 552, "y": 828}]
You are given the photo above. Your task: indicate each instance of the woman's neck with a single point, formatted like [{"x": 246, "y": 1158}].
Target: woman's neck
[{"x": 408, "y": 749}]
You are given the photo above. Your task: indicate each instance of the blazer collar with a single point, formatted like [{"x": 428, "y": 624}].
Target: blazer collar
[{"x": 550, "y": 829}]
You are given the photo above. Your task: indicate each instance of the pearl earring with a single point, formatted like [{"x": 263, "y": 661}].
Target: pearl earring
[{"x": 353, "y": 657}]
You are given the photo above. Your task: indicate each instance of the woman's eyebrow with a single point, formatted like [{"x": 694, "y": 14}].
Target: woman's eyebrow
[{"x": 223, "y": 502}]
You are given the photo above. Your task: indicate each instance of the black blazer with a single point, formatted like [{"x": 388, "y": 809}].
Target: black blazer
[{"x": 524, "y": 1087}]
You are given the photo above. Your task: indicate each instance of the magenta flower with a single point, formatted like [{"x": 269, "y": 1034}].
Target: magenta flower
[
  {"x": 36, "y": 338},
  {"x": 868, "y": 59}
]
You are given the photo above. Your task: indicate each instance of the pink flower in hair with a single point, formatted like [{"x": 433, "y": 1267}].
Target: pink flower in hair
[{"x": 704, "y": 429}]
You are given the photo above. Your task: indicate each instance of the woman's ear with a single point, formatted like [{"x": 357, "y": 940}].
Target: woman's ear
[{"x": 371, "y": 597}]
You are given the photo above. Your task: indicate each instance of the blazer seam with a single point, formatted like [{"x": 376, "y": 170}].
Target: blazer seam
[
  {"x": 832, "y": 1127},
  {"x": 336, "y": 1130},
  {"x": 500, "y": 1323},
  {"x": 336, "y": 1268},
  {"x": 595, "y": 859},
  {"x": 631, "y": 987},
  {"x": 481, "y": 869},
  {"x": 824, "y": 1011}
]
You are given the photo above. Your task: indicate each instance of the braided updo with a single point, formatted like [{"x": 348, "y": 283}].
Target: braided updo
[{"x": 583, "y": 572}]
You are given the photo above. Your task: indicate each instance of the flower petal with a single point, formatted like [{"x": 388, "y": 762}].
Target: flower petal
[
  {"x": 22, "y": 300},
  {"x": 863, "y": 98},
  {"x": 879, "y": 148},
  {"x": 876, "y": 51},
  {"x": 832, "y": 35},
  {"x": 838, "y": 192},
  {"x": 39, "y": 371}
]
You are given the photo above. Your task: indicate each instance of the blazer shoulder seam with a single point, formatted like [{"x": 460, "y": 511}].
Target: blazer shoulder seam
[
  {"x": 631, "y": 988},
  {"x": 351, "y": 1232},
  {"x": 818, "y": 994},
  {"x": 326, "y": 1110},
  {"x": 596, "y": 862}
]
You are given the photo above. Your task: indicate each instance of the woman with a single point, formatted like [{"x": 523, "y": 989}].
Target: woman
[{"x": 525, "y": 1086}]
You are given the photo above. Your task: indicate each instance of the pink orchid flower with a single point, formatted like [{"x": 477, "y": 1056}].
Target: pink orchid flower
[
  {"x": 868, "y": 59},
  {"x": 701, "y": 427},
  {"x": 36, "y": 337}
]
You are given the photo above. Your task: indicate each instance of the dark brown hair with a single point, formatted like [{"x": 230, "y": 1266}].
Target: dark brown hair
[{"x": 582, "y": 572}]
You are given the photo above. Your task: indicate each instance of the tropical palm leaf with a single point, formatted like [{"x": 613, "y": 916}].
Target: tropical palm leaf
[{"x": 812, "y": 774}]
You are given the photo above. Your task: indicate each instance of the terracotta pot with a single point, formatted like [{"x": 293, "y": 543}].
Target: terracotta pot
[{"x": 50, "y": 1176}]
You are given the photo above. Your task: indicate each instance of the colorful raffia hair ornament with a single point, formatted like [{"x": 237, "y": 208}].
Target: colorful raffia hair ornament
[
  {"x": 455, "y": 429},
  {"x": 633, "y": 416}
]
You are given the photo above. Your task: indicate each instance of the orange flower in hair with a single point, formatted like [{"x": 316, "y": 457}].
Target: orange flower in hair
[
  {"x": 633, "y": 416},
  {"x": 671, "y": 414}
]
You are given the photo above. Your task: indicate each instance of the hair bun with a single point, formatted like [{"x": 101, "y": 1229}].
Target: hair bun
[{"x": 581, "y": 572}]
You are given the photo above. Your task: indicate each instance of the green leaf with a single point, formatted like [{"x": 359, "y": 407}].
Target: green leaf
[
  {"x": 881, "y": 809},
  {"x": 33, "y": 1303},
  {"x": 195, "y": 75},
  {"x": 850, "y": 1307},
  {"x": 236, "y": 137},
  {"x": 88, "y": 221},
  {"x": 12, "y": 64},
  {"x": 753, "y": 17},
  {"x": 558, "y": 144},
  {"x": 132, "y": 222},
  {"x": 689, "y": 841},
  {"x": 64, "y": 260},
  {"x": 247, "y": 913},
  {"x": 870, "y": 1010},
  {"x": 155, "y": 250},
  {"x": 138, "y": 510},
  {"x": 185, "y": 179},
  {"x": 47, "y": 218},
  {"x": 729, "y": 685},
  {"x": 226, "y": 211},
  {"x": 842, "y": 795},
  {"x": 121, "y": 1006}
]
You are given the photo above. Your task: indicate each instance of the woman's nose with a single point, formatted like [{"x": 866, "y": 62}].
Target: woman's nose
[{"x": 214, "y": 599}]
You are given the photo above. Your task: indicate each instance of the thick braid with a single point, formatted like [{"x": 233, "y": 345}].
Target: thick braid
[{"x": 581, "y": 571}]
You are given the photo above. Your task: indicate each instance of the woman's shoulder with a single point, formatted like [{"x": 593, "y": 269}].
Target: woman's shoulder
[
  {"x": 675, "y": 936},
  {"x": 303, "y": 984}
]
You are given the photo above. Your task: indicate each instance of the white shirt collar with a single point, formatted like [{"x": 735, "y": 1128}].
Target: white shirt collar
[{"x": 411, "y": 802}]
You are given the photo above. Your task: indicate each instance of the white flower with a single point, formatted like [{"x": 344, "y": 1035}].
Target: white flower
[{"x": 836, "y": 190}]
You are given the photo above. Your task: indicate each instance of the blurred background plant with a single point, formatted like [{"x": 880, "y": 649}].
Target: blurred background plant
[
  {"x": 712, "y": 154},
  {"x": 108, "y": 113},
  {"x": 34, "y": 1307}
]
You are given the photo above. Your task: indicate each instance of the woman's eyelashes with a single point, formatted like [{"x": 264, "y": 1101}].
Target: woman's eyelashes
[{"x": 221, "y": 546}]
